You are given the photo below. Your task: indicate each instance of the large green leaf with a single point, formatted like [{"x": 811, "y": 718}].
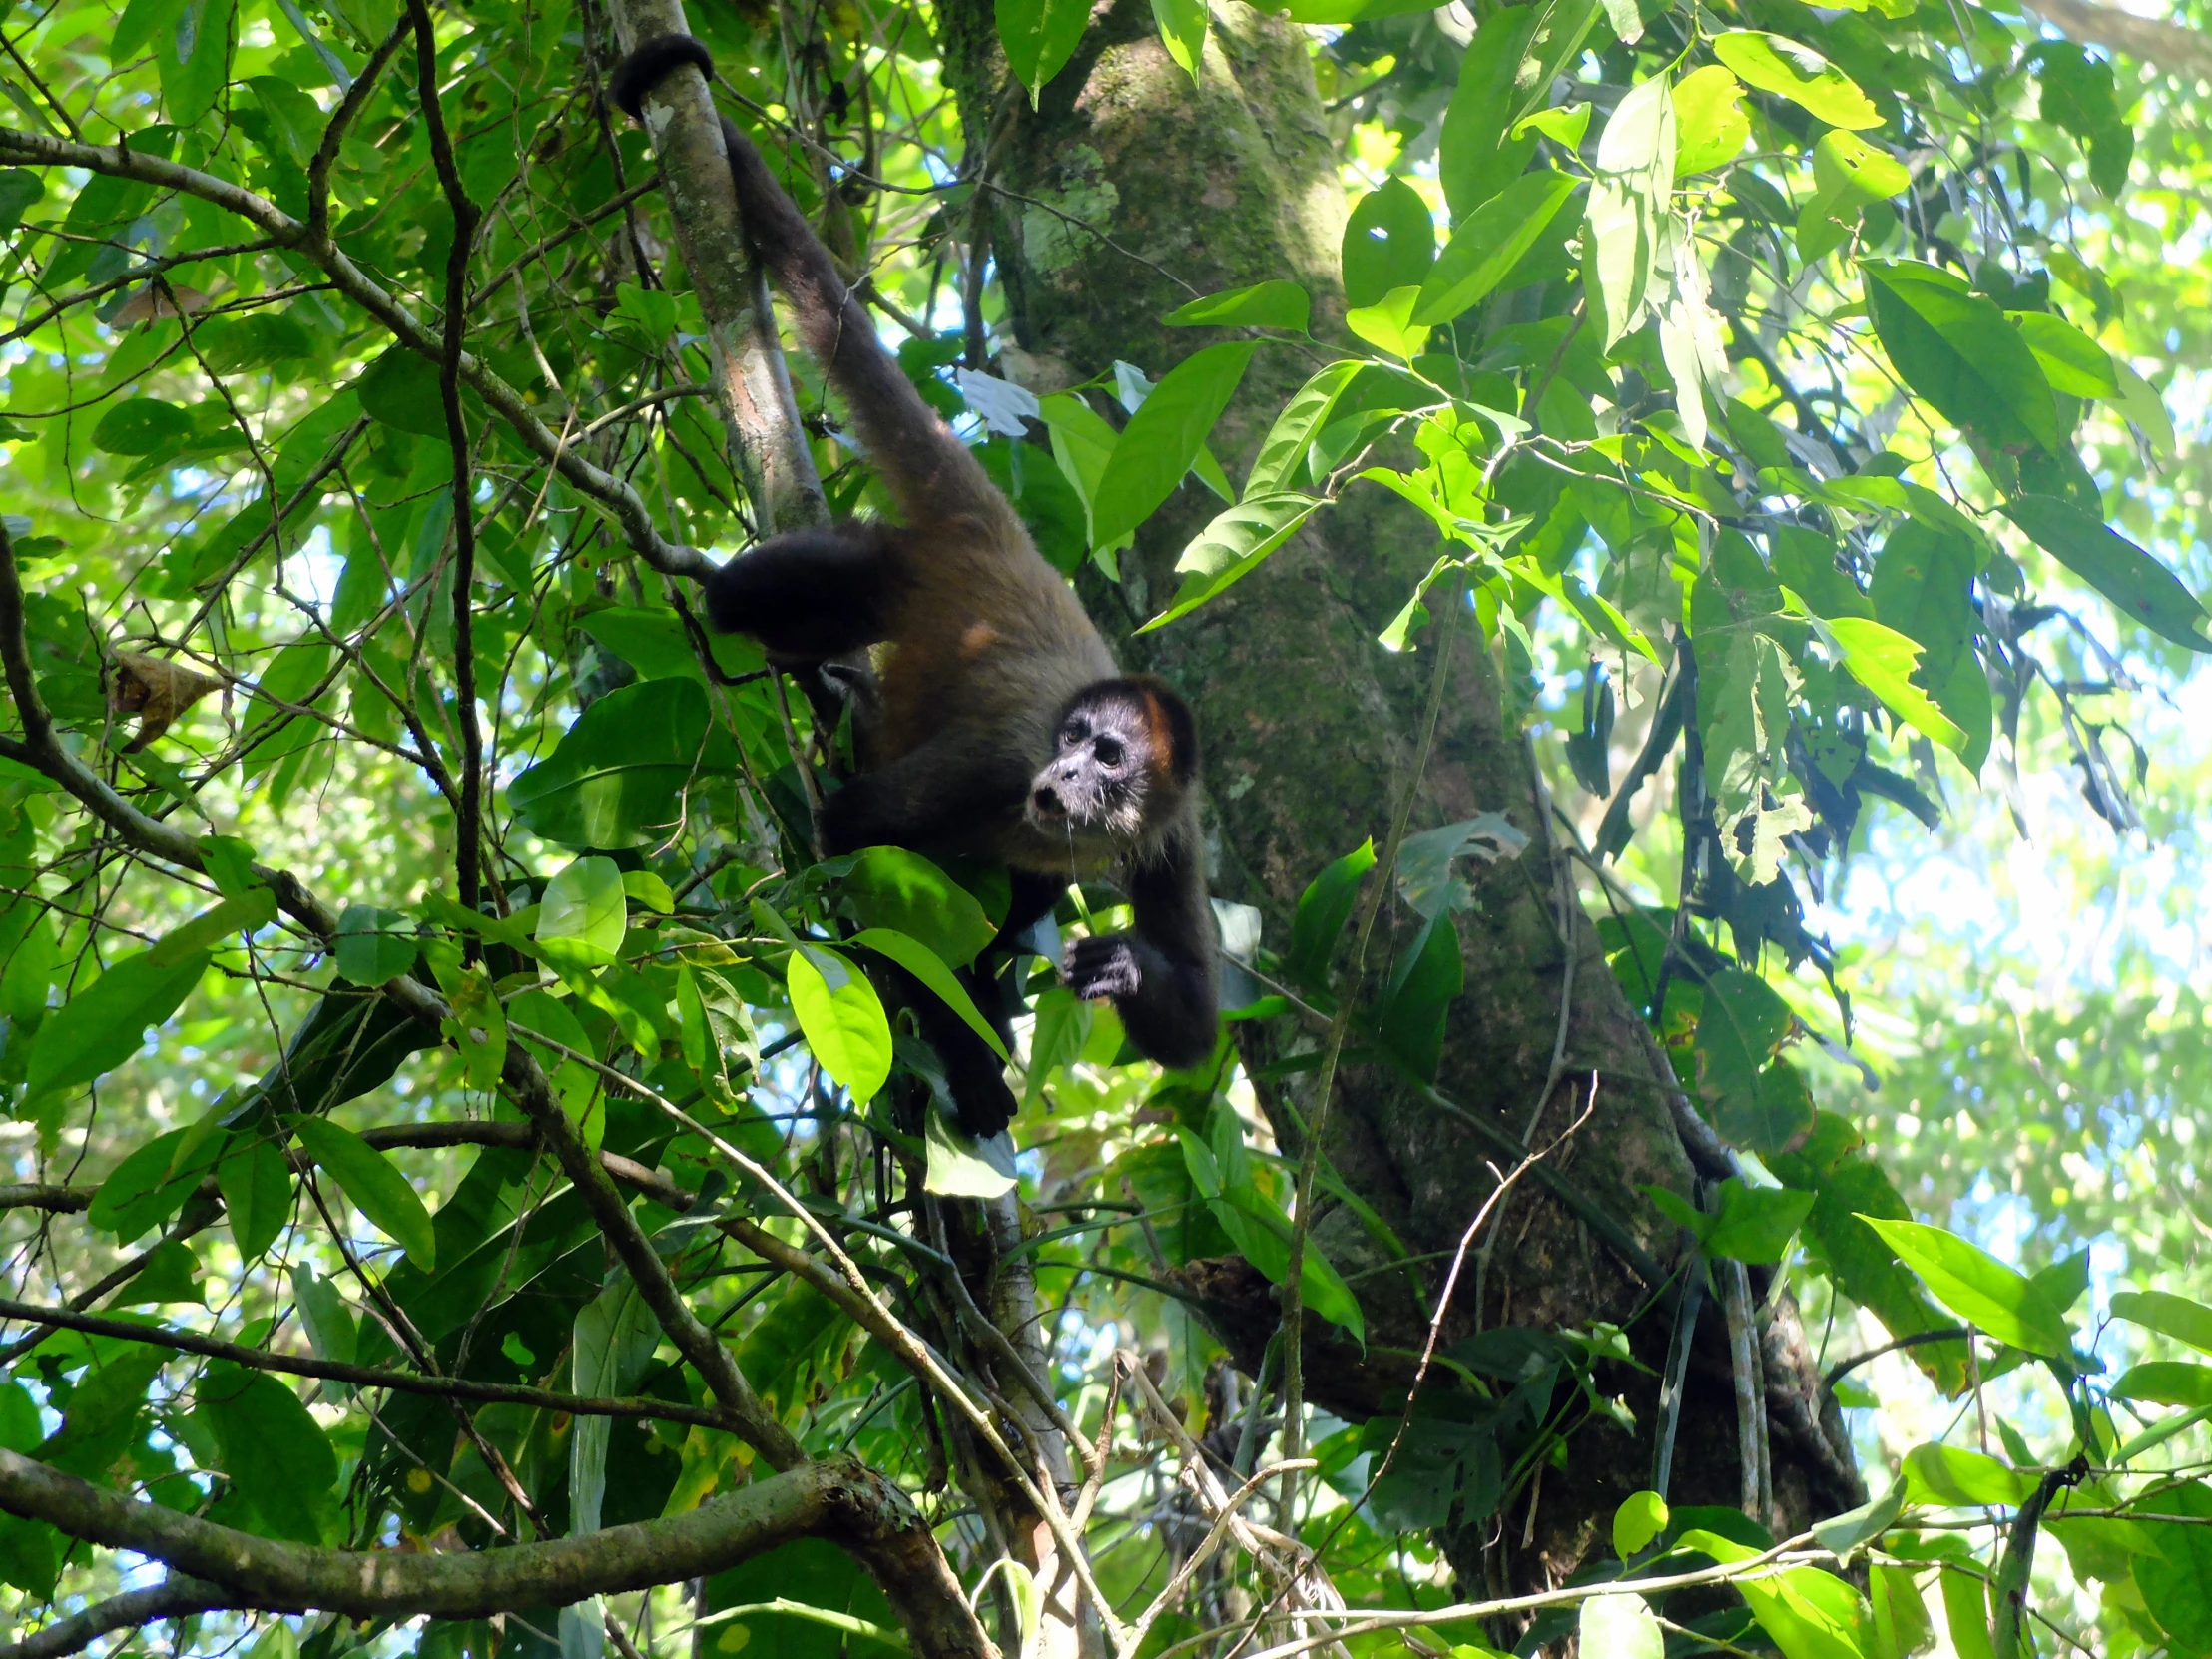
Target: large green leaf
[
  {"x": 2173, "y": 1316},
  {"x": 152, "y": 1184},
  {"x": 613, "y": 781},
  {"x": 2166, "y": 1382},
  {"x": 1627, "y": 204},
  {"x": 925, "y": 964},
  {"x": 275, "y": 1453},
  {"x": 1978, "y": 1287},
  {"x": 1958, "y": 350},
  {"x": 375, "y": 1186},
  {"x": 1232, "y": 547},
  {"x": 373, "y": 946},
  {"x": 1164, "y": 436},
  {"x": 1389, "y": 242},
  {"x": 1489, "y": 242},
  {"x": 1040, "y": 37},
  {"x": 585, "y": 915},
  {"x": 1883, "y": 660},
  {"x": 1271, "y": 305},
  {"x": 842, "y": 1019},
  {"x": 99, "y": 1028},
  {"x": 1777, "y": 64},
  {"x": 1620, "y": 1626},
  {"x": 2145, "y": 590},
  {"x": 255, "y": 1182},
  {"x": 2177, "y": 1579},
  {"x": 1946, "y": 1475},
  {"x": 1282, "y": 450},
  {"x": 889, "y": 886},
  {"x": 1806, "y": 1613}
]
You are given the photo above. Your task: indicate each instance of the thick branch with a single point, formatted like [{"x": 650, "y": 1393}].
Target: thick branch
[
  {"x": 838, "y": 1499},
  {"x": 627, "y": 506},
  {"x": 172, "y": 1598}
]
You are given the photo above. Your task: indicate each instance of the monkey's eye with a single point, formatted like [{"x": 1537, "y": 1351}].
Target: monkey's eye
[{"x": 1108, "y": 750}]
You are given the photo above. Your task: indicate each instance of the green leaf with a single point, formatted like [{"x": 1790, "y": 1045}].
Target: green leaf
[
  {"x": 613, "y": 779},
  {"x": 1777, "y": 64},
  {"x": 585, "y": 915},
  {"x": 1620, "y": 1625},
  {"x": 1489, "y": 242},
  {"x": 842, "y": 1019},
  {"x": 1849, "y": 174},
  {"x": 1710, "y": 125},
  {"x": 2143, "y": 590},
  {"x": 959, "y": 1166},
  {"x": 2072, "y": 362},
  {"x": 1628, "y": 206},
  {"x": 194, "y": 64},
  {"x": 2176, "y": 1577},
  {"x": 2138, "y": 401},
  {"x": 1806, "y": 1613},
  {"x": 1742, "y": 1024},
  {"x": 1232, "y": 547},
  {"x": 1637, "y": 1521},
  {"x": 1163, "y": 438},
  {"x": 925, "y": 964},
  {"x": 1883, "y": 660},
  {"x": 21, "y": 190},
  {"x": 2169, "y": 1315},
  {"x": 1959, "y": 351},
  {"x": 151, "y": 1185},
  {"x": 373, "y": 947},
  {"x": 98, "y": 1029},
  {"x": 1756, "y": 1224},
  {"x": 1475, "y": 159},
  {"x": 375, "y": 1186},
  {"x": 275, "y": 1453},
  {"x": 1389, "y": 323},
  {"x": 1039, "y": 35},
  {"x": 1978, "y": 1287},
  {"x": 400, "y": 389},
  {"x": 142, "y": 426},
  {"x": 330, "y": 1323},
  {"x": 256, "y": 1181},
  {"x": 1082, "y": 443},
  {"x": 1856, "y": 1528},
  {"x": 1273, "y": 304},
  {"x": 889, "y": 886},
  {"x": 171, "y": 1273},
  {"x": 1182, "y": 25},
  {"x": 1282, "y": 450},
  {"x": 1322, "y": 909},
  {"x": 1948, "y": 1475},
  {"x": 2166, "y": 1382},
  {"x": 1389, "y": 242},
  {"x": 652, "y": 640}
]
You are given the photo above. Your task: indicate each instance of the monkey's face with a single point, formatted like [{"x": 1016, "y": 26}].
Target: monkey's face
[{"x": 1104, "y": 774}]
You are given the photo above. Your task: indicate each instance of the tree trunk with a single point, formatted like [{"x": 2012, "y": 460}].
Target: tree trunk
[{"x": 1126, "y": 193}]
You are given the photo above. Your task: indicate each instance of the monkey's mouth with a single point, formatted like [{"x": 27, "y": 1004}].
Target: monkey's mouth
[{"x": 1055, "y": 809}]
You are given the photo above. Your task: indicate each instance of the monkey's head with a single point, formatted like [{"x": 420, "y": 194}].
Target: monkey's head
[{"x": 1125, "y": 753}]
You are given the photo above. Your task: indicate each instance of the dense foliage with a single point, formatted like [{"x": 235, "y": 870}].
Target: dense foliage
[{"x": 524, "y": 1151}]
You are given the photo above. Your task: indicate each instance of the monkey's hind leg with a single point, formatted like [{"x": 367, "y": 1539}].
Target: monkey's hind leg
[{"x": 811, "y": 594}]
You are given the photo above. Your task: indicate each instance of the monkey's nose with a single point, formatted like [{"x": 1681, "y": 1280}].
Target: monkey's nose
[{"x": 1046, "y": 799}]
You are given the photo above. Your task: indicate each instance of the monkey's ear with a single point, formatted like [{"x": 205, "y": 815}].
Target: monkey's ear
[{"x": 1173, "y": 716}]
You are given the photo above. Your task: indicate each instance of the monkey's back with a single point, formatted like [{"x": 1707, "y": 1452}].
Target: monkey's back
[{"x": 987, "y": 640}]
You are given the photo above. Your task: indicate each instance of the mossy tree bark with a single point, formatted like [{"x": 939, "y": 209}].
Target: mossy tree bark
[{"x": 1124, "y": 193}]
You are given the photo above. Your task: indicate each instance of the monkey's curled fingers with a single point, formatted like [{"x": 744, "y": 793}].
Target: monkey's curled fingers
[{"x": 1101, "y": 967}]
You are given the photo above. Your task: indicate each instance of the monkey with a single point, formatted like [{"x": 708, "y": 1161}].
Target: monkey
[{"x": 998, "y": 724}]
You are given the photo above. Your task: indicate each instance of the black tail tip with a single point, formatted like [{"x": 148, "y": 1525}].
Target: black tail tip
[{"x": 649, "y": 63}]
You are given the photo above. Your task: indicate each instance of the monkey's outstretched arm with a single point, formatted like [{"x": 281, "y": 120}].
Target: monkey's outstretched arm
[
  {"x": 925, "y": 468},
  {"x": 1161, "y": 976}
]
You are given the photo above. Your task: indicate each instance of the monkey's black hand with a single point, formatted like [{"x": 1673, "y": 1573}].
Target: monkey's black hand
[{"x": 1100, "y": 967}]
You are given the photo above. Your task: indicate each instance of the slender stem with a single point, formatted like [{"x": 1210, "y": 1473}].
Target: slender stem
[{"x": 468, "y": 822}]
